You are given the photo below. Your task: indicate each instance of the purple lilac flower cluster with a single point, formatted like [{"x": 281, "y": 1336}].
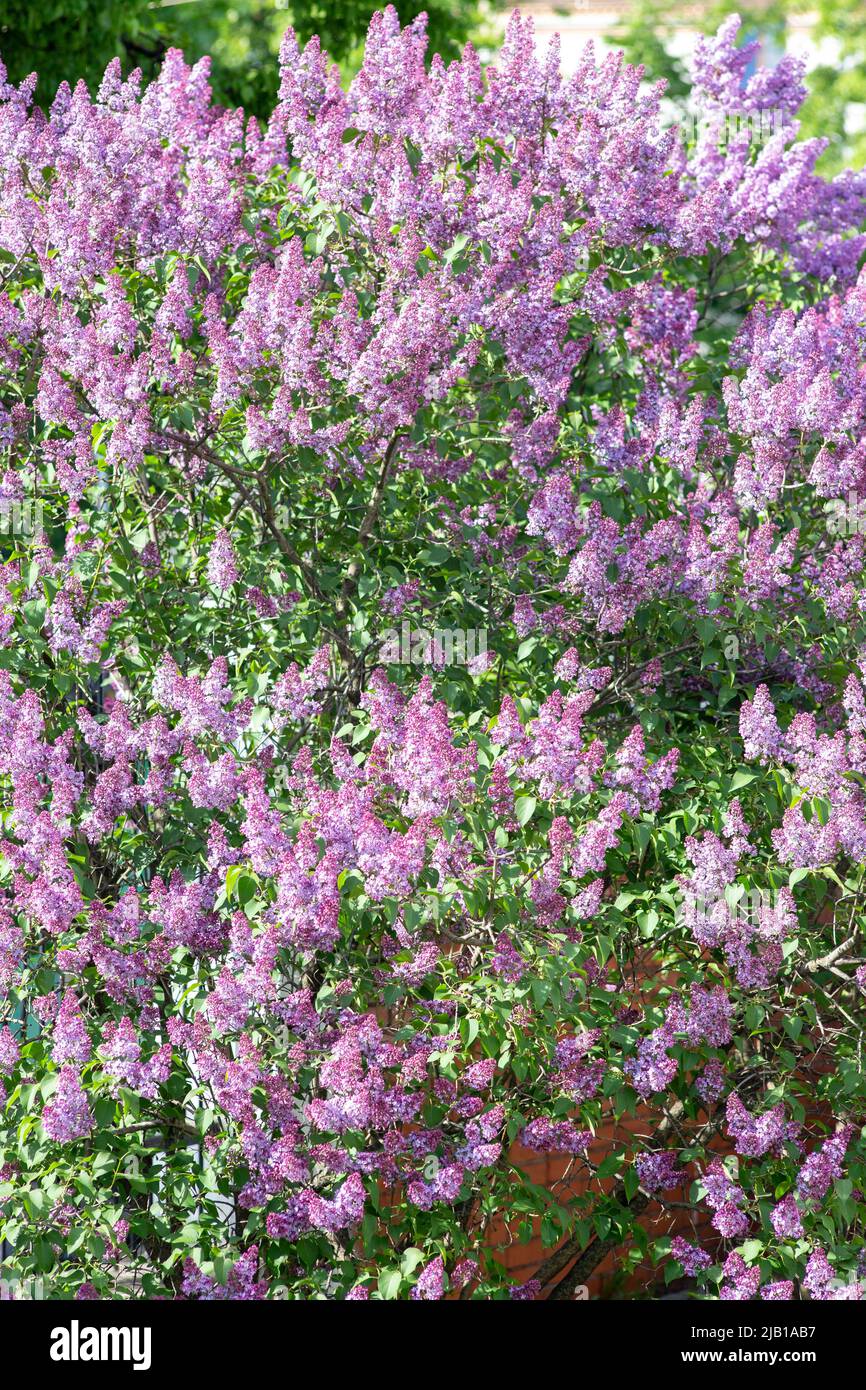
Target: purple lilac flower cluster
[{"x": 324, "y": 960}]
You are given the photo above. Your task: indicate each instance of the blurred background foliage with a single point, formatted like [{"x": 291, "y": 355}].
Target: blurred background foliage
[
  {"x": 76, "y": 38},
  {"x": 68, "y": 39},
  {"x": 836, "y": 107}
]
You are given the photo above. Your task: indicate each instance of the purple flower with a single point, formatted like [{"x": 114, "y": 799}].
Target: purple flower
[
  {"x": 222, "y": 570},
  {"x": 823, "y": 1166},
  {"x": 740, "y": 1282},
  {"x": 431, "y": 1282},
  {"x": 819, "y": 1273},
  {"x": 524, "y": 1293},
  {"x": 782, "y": 1290},
  {"x": 659, "y": 1171},
  {"x": 755, "y": 1135},
  {"x": 555, "y": 1136},
  {"x": 759, "y": 730},
  {"x": 786, "y": 1219},
  {"x": 730, "y": 1222},
  {"x": 479, "y": 1076},
  {"x": 67, "y": 1115},
  {"x": 692, "y": 1258},
  {"x": 710, "y": 1085}
]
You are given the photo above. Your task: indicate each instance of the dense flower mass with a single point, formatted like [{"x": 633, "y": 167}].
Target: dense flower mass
[{"x": 433, "y": 682}]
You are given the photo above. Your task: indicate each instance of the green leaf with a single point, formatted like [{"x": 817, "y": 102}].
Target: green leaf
[
  {"x": 741, "y": 779},
  {"x": 389, "y": 1283},
  {"x": 412, "y": 1258},
  {"x": 524, "y": 809}
]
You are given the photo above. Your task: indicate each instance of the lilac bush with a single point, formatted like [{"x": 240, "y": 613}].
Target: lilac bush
[{"x": 306, "y": 947}]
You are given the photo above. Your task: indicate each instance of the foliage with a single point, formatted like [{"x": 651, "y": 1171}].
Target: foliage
[
  {"x": 64, "y": 40},
  {"x": 835, "y": 107},
  {"x": 309, "y": 940},
  {"x": 645, "y": 34}
]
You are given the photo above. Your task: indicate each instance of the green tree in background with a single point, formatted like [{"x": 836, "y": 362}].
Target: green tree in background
[
  {"x": 243, "y": 36},
  {"x": 644, "y": 35},
  {"x": 836, "y": 106},
  {"x": 69, "y": 39},
  {"x": 66, "y": 38},
  {"x": 837, "y": 103}
]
